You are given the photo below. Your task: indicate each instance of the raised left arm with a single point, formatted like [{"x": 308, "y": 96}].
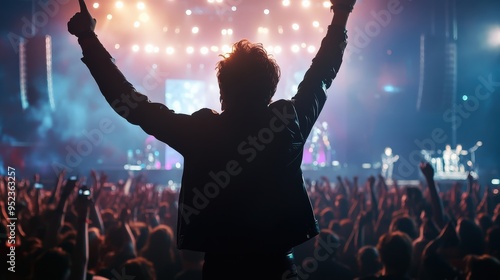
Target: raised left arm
[{"x": 154, "y": 118}]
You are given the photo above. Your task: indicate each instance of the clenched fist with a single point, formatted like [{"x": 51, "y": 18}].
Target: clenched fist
[
  {"x": 343, "y": 5},
  {"x": 82, "y": 23},
  {"x": 427, "y": 170}
]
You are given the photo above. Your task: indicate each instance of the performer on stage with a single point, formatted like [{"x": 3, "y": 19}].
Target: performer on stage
[
  {"x": 388, "y": 160},
  {"x": 314, "y": 145},
  {"x": 447, "y": 158},
  {"x": 327, "y": 145},
  {"x": 320, "y": 147},
  {"x": 455, "y": 158},
  {"x": 451, "y": 158}
]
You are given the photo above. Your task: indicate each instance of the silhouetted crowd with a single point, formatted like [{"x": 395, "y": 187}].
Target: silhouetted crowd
[{"x": 370, "y": 229}]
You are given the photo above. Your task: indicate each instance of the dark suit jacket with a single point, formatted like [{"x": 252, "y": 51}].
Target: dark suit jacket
[{"x": 242, "y": 187}]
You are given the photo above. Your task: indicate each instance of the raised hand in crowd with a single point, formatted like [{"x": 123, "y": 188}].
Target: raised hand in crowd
[
  {"x": 55, "y": 195},
  {"x": 436, "y": 202},
  {"x": 95, "y": 210},
  {"x": 56, "y": 217},
  {"x": 80, "y": 255}
]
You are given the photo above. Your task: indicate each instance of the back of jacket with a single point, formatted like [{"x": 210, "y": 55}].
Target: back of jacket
[{"x": 242, "y": 186}]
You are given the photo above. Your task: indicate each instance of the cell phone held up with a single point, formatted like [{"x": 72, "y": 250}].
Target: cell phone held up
[{"x": 84, "y": 191}]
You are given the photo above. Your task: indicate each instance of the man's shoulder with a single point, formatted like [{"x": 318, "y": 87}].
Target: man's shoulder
[
  {"x": 283, "y": 105},
  {"x": 205, "y": 113},
  {"x": 280, "y": 103}
]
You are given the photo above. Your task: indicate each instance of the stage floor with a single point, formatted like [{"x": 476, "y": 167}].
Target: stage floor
[{"x": 163, "y": 176}]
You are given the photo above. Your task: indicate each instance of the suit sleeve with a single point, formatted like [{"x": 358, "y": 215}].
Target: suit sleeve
[
  {"x": 311, "y": 94},
  {"x": 154, "y": 118}
]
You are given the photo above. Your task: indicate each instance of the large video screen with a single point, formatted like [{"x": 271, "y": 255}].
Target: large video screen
[{"x": 183, "y": 96}]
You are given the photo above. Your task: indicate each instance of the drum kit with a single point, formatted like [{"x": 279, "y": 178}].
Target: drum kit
[{"x": 452, "y": 163}]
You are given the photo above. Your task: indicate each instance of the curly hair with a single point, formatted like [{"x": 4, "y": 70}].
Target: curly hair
[{"x": 247, "y": 75}]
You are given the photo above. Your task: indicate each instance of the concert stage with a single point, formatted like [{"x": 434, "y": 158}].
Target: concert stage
[{"x": 162, "y": 176}]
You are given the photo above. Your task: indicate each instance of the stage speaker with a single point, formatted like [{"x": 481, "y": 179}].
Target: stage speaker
[
  {"x": 35, "y": 59},
  {"x": 438, "y": 74}
]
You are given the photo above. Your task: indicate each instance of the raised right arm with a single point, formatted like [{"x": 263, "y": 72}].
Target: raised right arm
[{"x": 311, "y": 94}]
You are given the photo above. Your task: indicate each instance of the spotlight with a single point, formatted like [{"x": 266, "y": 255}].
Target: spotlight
[
  {"x": 96, "y": 5},
  {"x": 170, "y": 50},
  {"x": 149, "y": 48},
  {"x": 494, "y": 37},
  {"x": 263, "y": 30},
  {"x": 389, "y": 88},
  {"x": 144, "y": 17},
  {"x": 119, "y": 4},
  {"x": 226, "y": 49}
]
